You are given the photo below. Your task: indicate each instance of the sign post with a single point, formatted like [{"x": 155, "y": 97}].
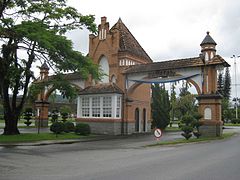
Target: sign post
[{"x": 157, "y": 133}]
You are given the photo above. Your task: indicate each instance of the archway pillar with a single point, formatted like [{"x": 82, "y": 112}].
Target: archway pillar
[
  {"x": 210, "y": 109},
  {"x": 41, "y": 118}
]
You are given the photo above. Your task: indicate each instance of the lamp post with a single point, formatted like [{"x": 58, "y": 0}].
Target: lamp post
[{"x": 235, "y": 76}]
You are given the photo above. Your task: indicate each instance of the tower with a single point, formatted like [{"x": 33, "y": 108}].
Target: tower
[
  {"x": 42, "y": 104},
  {"x": 210, "y": 101}
]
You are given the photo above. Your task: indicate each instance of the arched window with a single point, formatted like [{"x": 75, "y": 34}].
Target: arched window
[
  {"x": 208, "y": 113},
  {"x": 103, "y": 63}
]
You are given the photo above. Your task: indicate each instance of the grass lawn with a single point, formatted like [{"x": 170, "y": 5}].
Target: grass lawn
[
  {"x": 231, "y": 124},
  {"x": 192, "y": 140},
  {"x": 32, "y": 137},
  {"x": 172, "y": 129}
]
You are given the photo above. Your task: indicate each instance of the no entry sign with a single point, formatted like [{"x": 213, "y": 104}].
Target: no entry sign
[{"x": 157, "y": 133}]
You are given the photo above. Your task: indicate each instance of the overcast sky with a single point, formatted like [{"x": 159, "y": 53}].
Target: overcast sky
[{"x": 169, "y": 29}]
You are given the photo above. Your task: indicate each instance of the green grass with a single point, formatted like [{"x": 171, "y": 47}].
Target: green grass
[
  {"x": 33, "y": 137},
  {"x": 231, "y": 124},
  {"x": 172, "y": 129},
  {"x": 192, "y": 140}
]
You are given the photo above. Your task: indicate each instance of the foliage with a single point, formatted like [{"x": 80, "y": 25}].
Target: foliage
[
  {"x": 227, "y": 84},
  {"x": 69, "y": 127},
  {"x": 54, "y": 116},
  {"x": 57, "y": 127},
  {"x": 64, "y": 116},
  {"x": 160, "y": 107},
  {"x": 33, "y": 31},
  {"x": 187, "y": 127},
  {"x": 28, "y": 116},
  {"x": 235, "y": 121},
  {"x": 172, "y": 103},
  {"x": 191, "y": 124},
  {"x": 185, "y": 105},
  {"x": 82, "y": 129},
  {"x": 220, "y": 83}
]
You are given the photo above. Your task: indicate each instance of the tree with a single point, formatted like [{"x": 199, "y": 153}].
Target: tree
[
  {"x": 32, "y": 31},
  {"x": 172, "y": 102},
  {"x": 160, "y": 106},
  {"x": 185, "y": 105},
  {"x": 227, "y": 84},
  {"x": 220, "y": 83}
]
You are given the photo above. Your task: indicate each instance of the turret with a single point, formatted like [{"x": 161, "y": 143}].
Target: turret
[
  {"x": 208, "y": 48},
  {"x": 44, "y": 69}
]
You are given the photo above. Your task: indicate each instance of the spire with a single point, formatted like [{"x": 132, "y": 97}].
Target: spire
[
  {"x": 208, "y": 40},
  {"x": 44, "y": 66},
  {"x": 208, "y": 48}
]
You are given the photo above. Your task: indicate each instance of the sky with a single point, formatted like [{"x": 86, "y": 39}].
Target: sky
[{"x": 170, "y": 29}]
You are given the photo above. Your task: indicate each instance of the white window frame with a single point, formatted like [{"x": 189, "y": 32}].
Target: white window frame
[{"x": 115, "y": 107}]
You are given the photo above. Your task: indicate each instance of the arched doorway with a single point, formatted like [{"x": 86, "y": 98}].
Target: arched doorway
[
  {"x": 144, "y": 120},
  {"x": 137, "y": 121}
]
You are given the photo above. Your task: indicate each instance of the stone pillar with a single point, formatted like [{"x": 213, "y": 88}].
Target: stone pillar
[
  {"x": 210, "y": 108},
  {"x": 41, "y": 118}
]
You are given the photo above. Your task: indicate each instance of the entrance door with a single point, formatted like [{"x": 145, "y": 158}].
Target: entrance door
[
  {"x": 136, "y": 120},
  {"x": 144, "y": 120}
]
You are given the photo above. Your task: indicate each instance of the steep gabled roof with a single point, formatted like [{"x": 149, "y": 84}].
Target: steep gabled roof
[{"x": 128, "y": 43}]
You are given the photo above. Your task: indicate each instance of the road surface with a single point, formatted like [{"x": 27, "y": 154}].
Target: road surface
[{"x": 122, "y": 160}]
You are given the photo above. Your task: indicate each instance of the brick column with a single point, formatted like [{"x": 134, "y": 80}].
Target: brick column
[
  {"x": 210, "y": 109},
  {"x": 41, "y": 117}
]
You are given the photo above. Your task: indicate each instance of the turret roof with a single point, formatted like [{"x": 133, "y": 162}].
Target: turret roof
[{"x": 208, "y": 40}]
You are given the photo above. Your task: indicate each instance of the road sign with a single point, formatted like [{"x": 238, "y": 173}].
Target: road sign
[{"x": 157, "y": 133}]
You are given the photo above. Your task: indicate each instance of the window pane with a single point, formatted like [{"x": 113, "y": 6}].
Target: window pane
[
  {"x": 118, "y": 108},
  {"x": 96, "y": 106},
  {"x": 85, "y": 106},
  {"x": 107, "y": 106}
]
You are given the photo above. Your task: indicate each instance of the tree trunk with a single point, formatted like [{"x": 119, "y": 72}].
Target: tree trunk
[{"x": 11, "y": 121}]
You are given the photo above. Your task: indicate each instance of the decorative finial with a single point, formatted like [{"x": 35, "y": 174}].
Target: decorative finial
[{"x": 208, "y": 32}]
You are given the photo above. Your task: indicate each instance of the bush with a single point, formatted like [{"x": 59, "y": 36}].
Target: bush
[
  {"x": 82, "y": 129},
  {"x": 235, "y": 121},
  {"x": 57, "y": 127},
  {"x": 69, "y": 127}
]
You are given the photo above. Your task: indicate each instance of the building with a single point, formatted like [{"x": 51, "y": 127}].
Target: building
[
  {"x": 120, "y": 102},
  {"x": 106, "y": 105}
]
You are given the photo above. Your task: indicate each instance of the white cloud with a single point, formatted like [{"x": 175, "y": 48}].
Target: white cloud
[{"x": 169, "y": 29}]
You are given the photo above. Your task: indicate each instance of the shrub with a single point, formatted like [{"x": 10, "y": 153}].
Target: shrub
[
  {"x": 69, "y": 127},
  {"x": 82, "y": 129},
  {"x": 57, "y": 127},
  {"x": 64, "y": 116},
  {"x": 235, "y": 121},
  {"x": 28, "y": 116}
]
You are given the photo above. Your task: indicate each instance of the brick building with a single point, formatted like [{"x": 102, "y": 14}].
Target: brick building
[{"x": 106, "y": 106}]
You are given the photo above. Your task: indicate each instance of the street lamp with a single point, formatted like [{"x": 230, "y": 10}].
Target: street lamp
[{"x": 235, "y": 70}]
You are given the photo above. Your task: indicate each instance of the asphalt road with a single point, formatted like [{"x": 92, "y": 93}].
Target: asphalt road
[{"x": 122, "y": 160}]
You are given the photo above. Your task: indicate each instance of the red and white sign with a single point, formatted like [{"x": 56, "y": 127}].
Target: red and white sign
[{"x": 157, "y": 133}]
